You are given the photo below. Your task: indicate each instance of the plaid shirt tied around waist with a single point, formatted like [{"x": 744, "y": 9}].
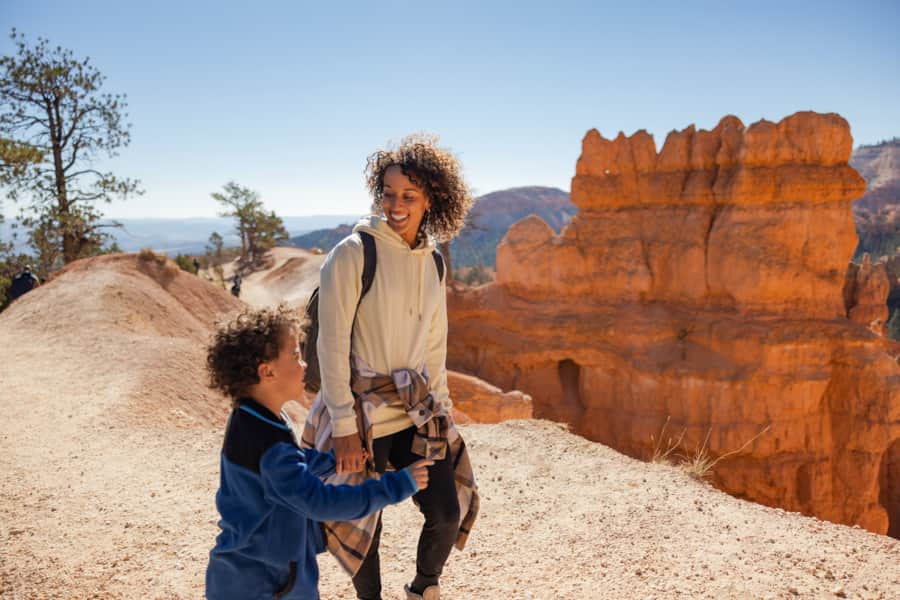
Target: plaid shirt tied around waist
[{"x": 436, "y": 434}]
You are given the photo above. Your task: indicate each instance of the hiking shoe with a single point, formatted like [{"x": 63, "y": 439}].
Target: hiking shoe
[{"x": 432, "y": 592}]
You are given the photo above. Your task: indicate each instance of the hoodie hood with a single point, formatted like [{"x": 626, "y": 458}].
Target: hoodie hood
[
  {"x": 378, "y": 227},
  {"x": 421, "y": 254}
]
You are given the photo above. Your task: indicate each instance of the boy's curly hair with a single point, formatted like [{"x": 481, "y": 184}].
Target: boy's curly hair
[
  {"x": 240, "y": 345},
  {"x": 434, "y": 169}
]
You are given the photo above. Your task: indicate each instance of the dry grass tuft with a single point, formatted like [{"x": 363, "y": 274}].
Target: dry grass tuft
[
  {"x": 664, "y": 455},
  {"x": 149, "y": 255},
  {"x": 699, "y": 463}
]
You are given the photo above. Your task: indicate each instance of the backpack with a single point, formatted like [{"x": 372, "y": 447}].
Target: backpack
[{"x": 313, "y": 379}]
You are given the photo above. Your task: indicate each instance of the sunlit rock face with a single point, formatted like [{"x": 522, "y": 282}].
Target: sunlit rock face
[
  {"x": 482, "y": 402},
  {"x": 748, "y": 219},
  {"x": 704, "y": 284},
  {"x": 865, "y": 290}
]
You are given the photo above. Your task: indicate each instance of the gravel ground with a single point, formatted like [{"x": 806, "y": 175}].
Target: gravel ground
[{"x": 109, "y": 465}]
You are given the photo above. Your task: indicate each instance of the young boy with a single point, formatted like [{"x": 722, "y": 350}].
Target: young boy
[{"x": 270, "y": 495}]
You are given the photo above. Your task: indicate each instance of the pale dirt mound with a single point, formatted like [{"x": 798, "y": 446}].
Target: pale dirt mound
[
  {"x": 291, "y": 276},
  {"x": 137, "y": 317},
  {"x": 108, "y": 492},
  {"x": 138, "y": 293}
]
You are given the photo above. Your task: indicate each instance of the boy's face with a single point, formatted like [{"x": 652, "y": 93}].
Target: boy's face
[{"x": 288, "y": 369}]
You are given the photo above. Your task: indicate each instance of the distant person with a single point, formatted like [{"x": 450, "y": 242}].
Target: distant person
[
  {"x": 23, "y": 283},
  {"x": 236, "y": 286},
  {"x": 270, "y": 494},
  {"x": 196, "y": 265},
  {"x": 382, "y": 359}
]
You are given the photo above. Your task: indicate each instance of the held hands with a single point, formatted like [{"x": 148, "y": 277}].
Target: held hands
[
  {"x": 419, "y": 472},
  {"x": 349, "y": 455}
]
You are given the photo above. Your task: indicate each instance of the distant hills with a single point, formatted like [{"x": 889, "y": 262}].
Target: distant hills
[
  {"x": 879, "y": 165},
  {"x": 489, "y": 219},
  {"x": 187, "y": 236},
  {"x": 324, "y": 239},
  {"x": 877, "y": 213},
  {"x": 190, "y": 236},
  {"x": 493, "y": 214}
]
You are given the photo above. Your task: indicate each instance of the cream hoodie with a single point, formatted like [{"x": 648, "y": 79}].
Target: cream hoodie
[{"x": 401, "y": 323}]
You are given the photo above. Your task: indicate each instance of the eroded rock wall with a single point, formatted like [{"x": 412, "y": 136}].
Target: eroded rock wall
[
  {"x": 704, "y": 284},
  {"x": 751, "y": 219}
]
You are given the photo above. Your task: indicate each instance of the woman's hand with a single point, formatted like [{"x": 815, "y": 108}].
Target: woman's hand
[
  {"x": 349, "y": 456},
  {"x": 419, "y": 472}
]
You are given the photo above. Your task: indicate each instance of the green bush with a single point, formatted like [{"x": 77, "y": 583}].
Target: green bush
[
  {"x": 893, "y": 325},
  {"x": 5, "y": 282},
  {"x": 474, "y": 276},
  {"x": 186, "y": 263}
]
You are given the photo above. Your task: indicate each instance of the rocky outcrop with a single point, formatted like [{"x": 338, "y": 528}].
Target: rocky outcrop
[
  {"x": 866, "y": 289},
  {"x": 704, "y": 284},
  {"x": 484, "y": 403},
  {"x": 703, "y": 222}
]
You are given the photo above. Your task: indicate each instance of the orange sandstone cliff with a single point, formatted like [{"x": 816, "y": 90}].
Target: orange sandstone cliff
[{"x": 705, "y": 284}]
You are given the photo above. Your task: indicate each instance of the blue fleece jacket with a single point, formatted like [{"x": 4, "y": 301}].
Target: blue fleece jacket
[{"x": 271, "y": 499}]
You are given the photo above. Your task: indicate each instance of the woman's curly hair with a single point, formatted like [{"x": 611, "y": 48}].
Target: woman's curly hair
[
  {"x": 434, "y": 169},
  {"x": 240, "y": 345}
]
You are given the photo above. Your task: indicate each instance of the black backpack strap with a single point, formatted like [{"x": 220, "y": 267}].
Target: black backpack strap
[
  {"x": 370, "y": 260},
  {"x": 313, "y": 380},
  {"x": 439, "y": 263}
]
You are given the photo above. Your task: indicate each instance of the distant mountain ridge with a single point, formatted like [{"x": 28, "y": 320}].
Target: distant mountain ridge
[
  {"x": 185, "y": 236},
  {"x": 879, "y": 165},
  {"x": 489, "y": 219},
  {"x": 493, "y": 213},
  {"x": 323, "y": 239},
  {"x": 877, "y": 213}
]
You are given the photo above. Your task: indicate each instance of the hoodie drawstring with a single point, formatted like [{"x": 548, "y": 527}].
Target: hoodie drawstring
[
  {"x": 421, "y": 283},
  {"x": 378, "y": 227}
]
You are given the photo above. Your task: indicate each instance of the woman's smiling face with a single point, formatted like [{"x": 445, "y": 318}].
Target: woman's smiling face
[{"x": 404, "y": 204}]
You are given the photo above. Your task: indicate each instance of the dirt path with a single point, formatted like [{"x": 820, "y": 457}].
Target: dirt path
[
  {"x": 109, "y": 464},
  {"x": 97, "y": 504}
]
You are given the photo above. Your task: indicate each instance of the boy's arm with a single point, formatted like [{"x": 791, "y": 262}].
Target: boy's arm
[
  {"x": 287, "y": 480},
  {"x": 319, "y": 464}
]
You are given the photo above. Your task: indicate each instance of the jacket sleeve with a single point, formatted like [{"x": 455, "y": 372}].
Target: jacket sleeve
[
  {"x": 339, "y": 288},
  {"x": 287, "y": 481},
  {"x": 319, "y": 464},
  {"x": 436, "y": 351}
]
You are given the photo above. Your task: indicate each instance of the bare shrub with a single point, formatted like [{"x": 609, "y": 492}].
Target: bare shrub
[
  {"x": 700, "y": 463},
  {"x": 664, "y": 455}
]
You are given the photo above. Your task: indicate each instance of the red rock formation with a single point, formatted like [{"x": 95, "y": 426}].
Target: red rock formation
[
  {"x": 866, "y": 289},
  {"x": 484, "y": 403},
  {"x": 704, "y": 284}
]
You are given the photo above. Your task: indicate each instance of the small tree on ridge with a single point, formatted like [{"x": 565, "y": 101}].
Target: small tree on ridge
[
  {"x": 258, "y": 229},
  {"x": 54, "y": 124}
]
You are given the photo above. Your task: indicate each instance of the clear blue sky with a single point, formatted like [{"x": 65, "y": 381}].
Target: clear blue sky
[{"x": 289, "y": 97}]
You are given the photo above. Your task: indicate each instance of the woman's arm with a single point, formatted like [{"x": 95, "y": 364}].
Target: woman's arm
[
  {"x": 436, "y": 351},
  {"x": 340, "y": 285},
  {"x": 339, "y": 289}
]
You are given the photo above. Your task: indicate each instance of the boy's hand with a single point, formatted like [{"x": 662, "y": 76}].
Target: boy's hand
[
  {"x": 349, "y": 456},
  {"x": 419, "y": 472}
]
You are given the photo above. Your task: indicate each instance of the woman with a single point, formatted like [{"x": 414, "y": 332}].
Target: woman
[{"x": 389, "y": 403}]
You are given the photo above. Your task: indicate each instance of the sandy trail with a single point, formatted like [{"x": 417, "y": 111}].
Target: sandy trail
[
  {"x": 291, "y": 277},
  {"x": 109, "y": 465}
]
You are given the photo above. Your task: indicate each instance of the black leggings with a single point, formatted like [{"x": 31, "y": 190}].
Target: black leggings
[{"x": 438, "y": 503}]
